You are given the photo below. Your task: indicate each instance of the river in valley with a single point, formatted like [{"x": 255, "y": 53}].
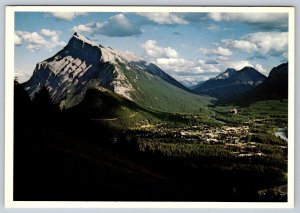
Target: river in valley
[{"x": 282, "y": 133}]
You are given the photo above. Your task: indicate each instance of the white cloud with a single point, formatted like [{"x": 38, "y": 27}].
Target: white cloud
[
  {"x": 222, "y": 58},
  {"x": 47, "y": 32},
  {"x": 35, "y": 42},
  {"x": 32, "y": 38},
  {"x": 185, "y": 70},
  {"x": 172, "y": 61},
  {"x": 54, "y": 41},
  {"x": 238, "y": 65},
  {"x": 22, "y": 77},
  {"x": 220, "y": 51},
  {"x": 244, "y": 45},
  {"x": 18, "y": 40},
  {"x": 86, "y": 28},
  {"x": 260, "y": 68},
  {"x": 249, "y": 17},
  {"x": 177, "y": 65},
  {"x": 24, "y": 71},
  {"x": 263, "y": 21},
  {"x": 165, "y": 18},
  {"x": 275, "y": 43},
  {"x": 180, "y": 68},
  {"x": 116, "y": 26},
  {"x": 269, "y": 41},
  {"x": 154, "y": 51},
  {"x": 191, "y": 71},
  {"x": 67, "y": 16}
]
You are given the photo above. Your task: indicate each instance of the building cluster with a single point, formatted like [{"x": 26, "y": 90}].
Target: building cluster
[
  {"x": 217, "y": 135},
  {"x": 233, "y": 138}
]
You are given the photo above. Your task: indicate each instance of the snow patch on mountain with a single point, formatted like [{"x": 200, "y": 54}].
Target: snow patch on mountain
[
  {"x": 229, "y": 72},
  {"x": 223, "y": 76}
]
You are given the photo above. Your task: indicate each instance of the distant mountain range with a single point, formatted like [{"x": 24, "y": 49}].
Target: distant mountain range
[
  {"x": 190, "y": 84},
  {"x": 83, "y": 65},
  {"x": 247, "y": 85},
  {"x": 231, "y": 83}
]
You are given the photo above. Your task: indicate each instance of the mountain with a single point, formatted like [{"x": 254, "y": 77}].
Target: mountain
[
  {"x": 275, "y": 87},
  {"x": 190, "y": 84},
  {"x": 231, "y": 83},
  {"x": 82, "y": 65},
  {"x": 106, "y": 107}
]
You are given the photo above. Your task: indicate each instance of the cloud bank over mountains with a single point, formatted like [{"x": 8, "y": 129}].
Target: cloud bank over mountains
[{"x": 189, "y": 46}]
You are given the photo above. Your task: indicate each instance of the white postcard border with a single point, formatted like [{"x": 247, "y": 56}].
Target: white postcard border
[{"x": 9, "y": 77}]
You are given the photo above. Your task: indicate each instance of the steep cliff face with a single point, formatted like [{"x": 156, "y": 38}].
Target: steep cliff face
[
  {"x": 81, "y": 65},
  {"x": 70, "y": 72}
]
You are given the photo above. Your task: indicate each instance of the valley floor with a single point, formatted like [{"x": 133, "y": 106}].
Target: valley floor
[{"x": 222, "y": 157}]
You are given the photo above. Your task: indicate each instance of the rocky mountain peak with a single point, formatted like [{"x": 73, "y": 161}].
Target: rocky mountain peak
[
  {"x": 231, "y": 83},
  {"x": 81, "y": 39},
  {"x": 82, "y": 64}
]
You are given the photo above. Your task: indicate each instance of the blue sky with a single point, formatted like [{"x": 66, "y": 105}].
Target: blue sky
[{"x": 191, "y": 47}]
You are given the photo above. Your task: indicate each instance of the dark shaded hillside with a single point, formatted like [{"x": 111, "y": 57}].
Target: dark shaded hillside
[
  {"x": 231, "y": 83},
  {"x": 106, "y": 108},
  {"x": 64, "y": 156},
  {"x": 275, "y": 87},
  {"x": 68, "y": 156}
]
